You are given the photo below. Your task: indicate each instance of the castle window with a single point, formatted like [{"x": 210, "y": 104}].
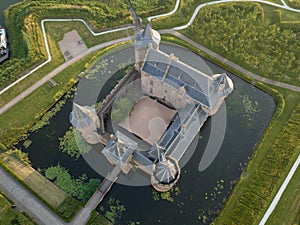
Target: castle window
[
  {"x": 151, "y": 82},
  {"x": 151, "y": 91}
]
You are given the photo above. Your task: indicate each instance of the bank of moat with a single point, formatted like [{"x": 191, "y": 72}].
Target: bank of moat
[{"x": 174, "y": 102}]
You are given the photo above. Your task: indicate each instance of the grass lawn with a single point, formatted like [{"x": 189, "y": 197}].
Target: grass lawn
[
  {"x": 293, "y": 3},
  {"x": 266, "y": 153},
  {"x": 55, "y": 32},
  {"x": 288, "y": 209},
  {"x": 267, "y": 169},
  {"x": 9, "y": 216},
  {"x": 11, "y": 125},
  {"x": 33, "y": 179}
]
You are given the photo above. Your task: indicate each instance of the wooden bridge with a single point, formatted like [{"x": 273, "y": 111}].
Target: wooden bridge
[{"x": 103, "y": 189}]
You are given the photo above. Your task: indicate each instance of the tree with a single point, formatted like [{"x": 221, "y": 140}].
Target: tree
[
  {"x": 89, "y": 189},
  {"x": 122, "y": 109}
]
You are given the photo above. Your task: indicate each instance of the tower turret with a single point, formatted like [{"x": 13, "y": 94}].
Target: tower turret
[
  {"x": 165, "y": 173},
  {"x": 85, "y": 119},
  {"x": 119, "y": 151},
  {"x": 143, "y": 40}
]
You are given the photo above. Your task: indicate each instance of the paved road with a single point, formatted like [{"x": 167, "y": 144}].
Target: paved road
[
  {"x": 40, "y": 213},
  {"x": 56, "y": 71},
  {"x": 200, "y": 6},
  {"x": 232, "y": 64},
  {"x": 280, "y": 192},
  {"x": 27, "y": 201}
]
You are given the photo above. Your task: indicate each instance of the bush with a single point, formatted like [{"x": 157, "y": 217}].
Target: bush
[{"x": 69, "y": 208}]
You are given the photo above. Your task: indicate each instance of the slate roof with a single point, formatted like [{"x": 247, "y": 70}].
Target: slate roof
[
  {"x": 180, "y": 118},
  {"x": 120, "y": 149},
  {"x": 165, "y": 171},
  {"x": 82, "y": 116},
  {"x": 198, "y": 85},
  {"x": 146, "y": 36}
]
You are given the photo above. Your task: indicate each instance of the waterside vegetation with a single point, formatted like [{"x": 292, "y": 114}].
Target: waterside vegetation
[
  {"x": 249, "y": 193},
  {"x": 277, "y": 149},
  {"x": 27, "y": 43},
  {"x": 9, "y": 215},
  {"x": 80, "y": 188},
  {"x": 240, "y": 32}
]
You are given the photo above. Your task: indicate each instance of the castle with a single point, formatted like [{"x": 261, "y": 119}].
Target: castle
[{"x": 177, "y": 99}]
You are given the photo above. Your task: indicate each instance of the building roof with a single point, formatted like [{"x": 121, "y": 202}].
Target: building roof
[
  {"x": 165, "y": 171},
  {"x": 198, "y": 85},
  {"x": 82, "y": 116},
  {"x": 156, "y": 151},
  {"x": 181, "y": 118},
  {"x": 120, "y": 149},
  {"x": 2, "y": 38},
  {"x": 146, "y": 36}
]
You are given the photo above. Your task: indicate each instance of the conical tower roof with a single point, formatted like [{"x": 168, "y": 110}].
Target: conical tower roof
[
  {"x": 82, "y": 116},
  {"x": 166, "y": 170},
  {"x": 146, "y": 36},
  {"x": 119, "y": 150}
]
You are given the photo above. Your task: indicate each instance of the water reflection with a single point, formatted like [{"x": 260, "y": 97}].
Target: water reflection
[{"x": 200, "y": 194}]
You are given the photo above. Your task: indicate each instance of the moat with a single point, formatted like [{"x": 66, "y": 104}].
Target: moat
[{"x": 202, "y": 194}]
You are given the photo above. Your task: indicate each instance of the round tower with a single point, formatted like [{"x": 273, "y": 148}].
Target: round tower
[
  {"x": 143, "y": 39},
  {"x": 85, "y": 119},
  {"x": 165, "y": 173}
]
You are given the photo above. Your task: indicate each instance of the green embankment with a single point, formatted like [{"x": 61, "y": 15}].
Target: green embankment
[
  {"x": 272, "y": 159},
  {"x": 267, "y": 168},
  {"x": 181, "y": 17},
  {"x": 274, "y": 33},
  {"x": 293, "y": 3},
  {"x": 238, "y": 32},
  {"x": 9, "y": 216},
  {"x": 278, "y": 148},
  {"x": 16, "y": 163},
  {"x": 19, "y": 119},
  {"x": 289, "y": 202},
  {"x": 25, "y": 35},
  {"x": 13, "y": 127},
  {"x": 263, "y": 40}
]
